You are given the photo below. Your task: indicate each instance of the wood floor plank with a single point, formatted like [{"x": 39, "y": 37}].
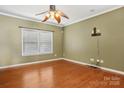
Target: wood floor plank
[{"x": 59, "y": 74}]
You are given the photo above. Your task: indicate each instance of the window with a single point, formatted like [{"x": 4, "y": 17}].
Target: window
[{"x": 35, "y": 42}]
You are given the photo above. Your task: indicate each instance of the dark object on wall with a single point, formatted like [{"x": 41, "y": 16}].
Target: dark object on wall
[{"x": 95, "y": 32}]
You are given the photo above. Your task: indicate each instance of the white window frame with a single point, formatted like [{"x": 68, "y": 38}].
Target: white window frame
[{"x": 39, "y": 53}]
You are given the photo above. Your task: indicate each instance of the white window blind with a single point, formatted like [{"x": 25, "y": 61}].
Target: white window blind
[{"x": 36, "y": 42}]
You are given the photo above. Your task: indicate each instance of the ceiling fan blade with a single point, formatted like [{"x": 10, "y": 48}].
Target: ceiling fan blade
[
  {"x": 58, "y": 18},
  {"x": 45, "y": 19},
  {"x": 62, "y": 14},
  {"x": 41, "y": 13}
]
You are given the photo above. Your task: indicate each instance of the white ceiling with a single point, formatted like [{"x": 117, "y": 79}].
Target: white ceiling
[{"x": 76, "y": 13}]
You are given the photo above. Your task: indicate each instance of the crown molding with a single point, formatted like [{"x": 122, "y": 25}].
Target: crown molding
[
  {"x": 97, "y": 14},
  {"x": 30, "y": 19},
  {"x": 60, "y": 25}
]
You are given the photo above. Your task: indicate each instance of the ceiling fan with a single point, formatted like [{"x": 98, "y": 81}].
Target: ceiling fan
[{"x": 54, "y": 14}]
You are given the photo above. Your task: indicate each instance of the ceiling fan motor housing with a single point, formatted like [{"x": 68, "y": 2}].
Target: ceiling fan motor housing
[{"x": 52, "y": 8}]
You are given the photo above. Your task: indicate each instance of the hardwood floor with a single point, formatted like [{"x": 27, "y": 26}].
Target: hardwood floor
[{"x": 59, "y": 74}]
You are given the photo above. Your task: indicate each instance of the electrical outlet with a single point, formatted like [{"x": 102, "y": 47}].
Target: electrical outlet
[
  {"x": 97, "y": 60},
  {"x": 101, "y": 61},
  {"x": 92, "y": 59}
]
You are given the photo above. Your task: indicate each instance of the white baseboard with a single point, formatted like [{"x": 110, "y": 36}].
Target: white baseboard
[
  {"x": 74, "y": 61},
  {"x": 104, "y": 68},
  {"x": 29, "y": 63}
]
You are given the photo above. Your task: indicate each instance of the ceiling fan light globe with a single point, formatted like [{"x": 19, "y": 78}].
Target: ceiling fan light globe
[
  {"x": 57, "y": 15},
  {"x": 52, "y": 14},
  {"x": 48, "y": 15}
]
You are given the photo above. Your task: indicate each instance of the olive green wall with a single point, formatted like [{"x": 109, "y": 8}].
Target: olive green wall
[
  {"x": 10, "y": 41},
  {"x": 80, "y": 46},
  {"x": 77, "y": 43}
]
